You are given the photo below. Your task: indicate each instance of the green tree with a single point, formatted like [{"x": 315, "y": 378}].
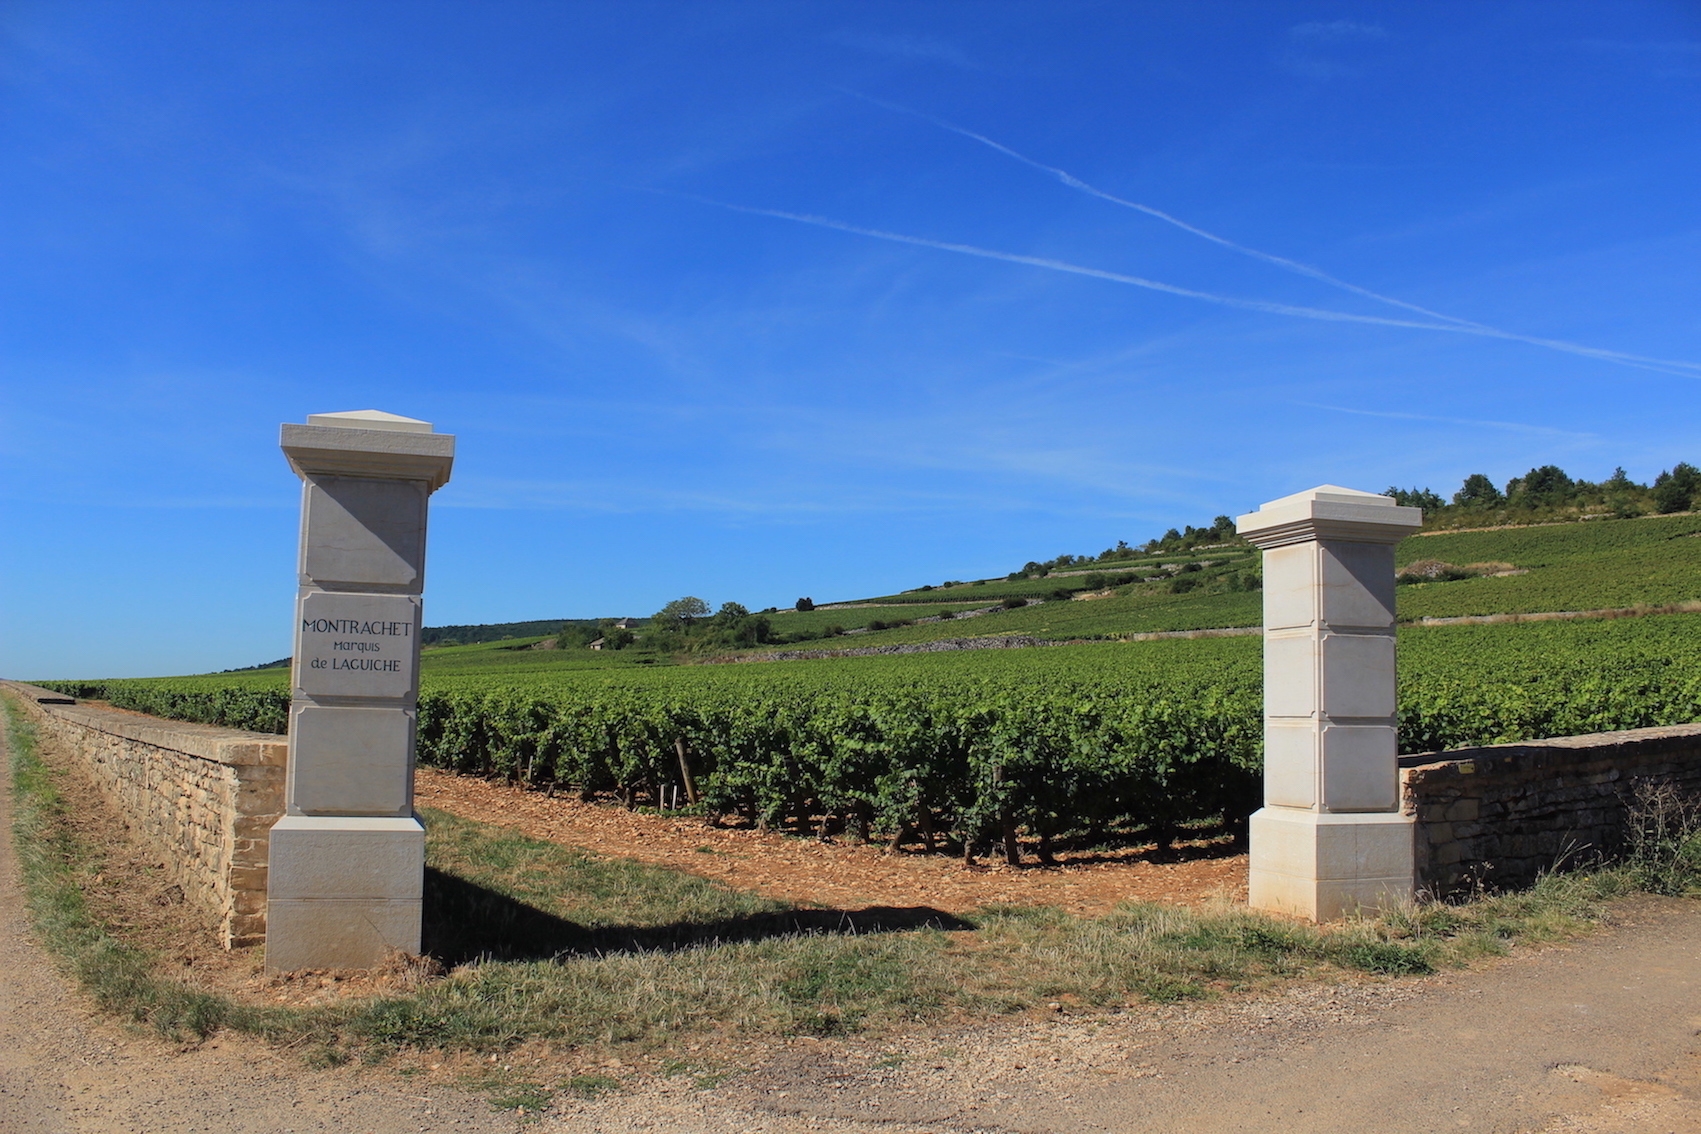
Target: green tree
[
  {"x": 1547, "y": 485},
  {"x": 1416, "y": 498},
  {"x": 678, "y": 616},
  {"x": 805, "y": 604},
  {"x": 1675, "y": 491},
  {"x": 1478, "y": 492}
]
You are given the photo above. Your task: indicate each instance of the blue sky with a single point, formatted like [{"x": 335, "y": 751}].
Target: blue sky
[{"x": 569, "y": 235}]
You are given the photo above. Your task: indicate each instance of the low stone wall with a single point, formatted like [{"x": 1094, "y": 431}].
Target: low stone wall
[
  {"x": 1501, "y": 814},
  {"x": 206, "y": 796}
]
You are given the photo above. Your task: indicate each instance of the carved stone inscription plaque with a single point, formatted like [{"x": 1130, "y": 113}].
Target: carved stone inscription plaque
[{"x": 356, "y": 645}]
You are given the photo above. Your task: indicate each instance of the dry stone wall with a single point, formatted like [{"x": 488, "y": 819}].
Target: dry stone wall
[
  {"x": 1501, "y": 814},
  {"x": 205, "y": 796}
]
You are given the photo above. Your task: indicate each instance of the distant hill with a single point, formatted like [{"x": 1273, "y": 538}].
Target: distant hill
[
  {"x": 1193, "y": 580},
  {"x": 496, "y": 631},
  {"x": 1538, "y": 556}
]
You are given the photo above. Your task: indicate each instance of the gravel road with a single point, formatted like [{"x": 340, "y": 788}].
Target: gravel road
[{"x": 1600, "y": 1036}]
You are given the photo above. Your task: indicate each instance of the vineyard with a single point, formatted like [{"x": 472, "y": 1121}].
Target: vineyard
[
  {"x": 964, "y": 749},
  {"x": 1574, "y": 566},
  {"x": 1581, "y": 566}
]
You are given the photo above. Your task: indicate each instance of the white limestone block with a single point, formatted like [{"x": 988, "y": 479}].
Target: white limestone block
[
  {"x": 370, "y": 419},
  {"x": 1290, "y": 586},
  {"x": 1360, "y": 766},
  {"x": 1355, "y": 583},
  {"x": 368, "y": 449},
  {"x": 1358, "y": 675},
  {"x": 340, "y": 934},
  {"x": 1290, "y": 674},
  {"x": 358, "y": 531},
  {"x": 1329, "y": 512},
  {"x": 350, "y": 761},
  {"x": 1326, "y": 866},
  {"x": 345, "y": 856},
  {"x": 356, "y": 645},
  {"x": 1290, "y": 764}
]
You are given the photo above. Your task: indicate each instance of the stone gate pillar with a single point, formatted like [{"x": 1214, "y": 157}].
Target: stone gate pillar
[
  {"x": 1330, "y": 837},
  {"x": 347, "y": 860}
]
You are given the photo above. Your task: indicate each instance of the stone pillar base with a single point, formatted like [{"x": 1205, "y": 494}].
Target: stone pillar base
[
  {"x": 1325, "y": 866},
  {"x": 343, "y": 890}
]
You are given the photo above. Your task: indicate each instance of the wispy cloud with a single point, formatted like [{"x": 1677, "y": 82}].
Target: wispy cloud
[
  {"x": 1335, "y": 31},
  {"x": 1667, "y": 47},
  {"x": 904, "y": 47},
  {"x": 1269, "y": 307},
  {"x": 1665, "y": 59},
  {"x": 1467, "y": 326},
  {"x": 1329, "y": 49},
  {"x": 1263, "y": 305},
  {"x": 1475, "y": 423},
  {"x": 1076, "y": 183}
]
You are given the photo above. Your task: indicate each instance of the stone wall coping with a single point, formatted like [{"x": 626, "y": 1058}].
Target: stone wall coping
[
  {"x": 1555, "y": 751},
  {"x": 334, "y": 450},
  {"x": 1329, "y": 512},
  {"x": 208, "y": 742}
]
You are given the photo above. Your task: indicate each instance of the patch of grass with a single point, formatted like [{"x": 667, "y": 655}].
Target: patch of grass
[
  {"x": 591, "y": 1086},
  {"x": 595, "y": 892},
  {"x": 704, "y": 1077},
  {"x": 325, "y": 1056}
]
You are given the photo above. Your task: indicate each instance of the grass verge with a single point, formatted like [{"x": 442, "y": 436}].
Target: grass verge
[{"x": 544, "y": 943}]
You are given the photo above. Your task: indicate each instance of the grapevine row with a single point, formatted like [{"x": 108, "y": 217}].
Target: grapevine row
[{"x": 1052, "y": 742}]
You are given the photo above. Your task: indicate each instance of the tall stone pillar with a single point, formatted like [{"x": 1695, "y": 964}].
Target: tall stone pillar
[
  {"x": 347, "y": 865},
  {"x": 1330, "y": 837}
]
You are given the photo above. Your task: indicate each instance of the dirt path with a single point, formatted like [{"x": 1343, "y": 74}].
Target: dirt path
[
  {"x": 1597, "y": 1037},
  {"x": 62, "y": 1068},
  {"x": 842, "y": 874}
]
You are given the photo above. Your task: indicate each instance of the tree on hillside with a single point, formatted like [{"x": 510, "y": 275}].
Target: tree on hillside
[
  {"x": 1478, "y": 492},
  {"x": 805, "y": 604},
  {"x": 1547, "y": 485},
  {"x": 1416, "y": 498},
  {"x": 677, "y": 616},
  {"x": 1676, "y": 491}
]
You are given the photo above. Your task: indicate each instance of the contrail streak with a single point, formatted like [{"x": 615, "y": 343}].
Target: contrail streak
[
  {"x": 1074, "y": 182},
  {"x": 1683, "y": 369},
  {"x": 1667, "y": 366},
  {"x": 1080, "y": 270},
  {"x": 1515, "y": 426}
]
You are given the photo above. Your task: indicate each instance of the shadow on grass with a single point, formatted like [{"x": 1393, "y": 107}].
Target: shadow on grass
[{"x": 464, "y": 921}]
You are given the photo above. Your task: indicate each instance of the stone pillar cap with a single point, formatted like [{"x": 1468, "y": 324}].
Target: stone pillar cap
[
  {"x": 369, "y": 443},
  {"x": 1329, "y": 512},
  {"x": 370, "y": 419}
]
